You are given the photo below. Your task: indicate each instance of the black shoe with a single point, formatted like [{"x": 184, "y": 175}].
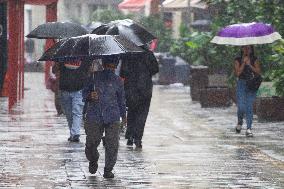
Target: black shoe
[
  {"x": 238, "y": 128},
  {"x": 129, "y": 142},
  {"x": 108, "y": 174},
  {"x": 59, "y": 113},
  {"x": 93, "y": 167},
  {"x": 75, "y": 138},
  {"x": 69, "y": 139},
  {"x": 138, "y": 143}
]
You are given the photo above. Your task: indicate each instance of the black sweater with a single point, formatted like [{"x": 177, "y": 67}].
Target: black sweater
[{"x": 73, "y": 79}]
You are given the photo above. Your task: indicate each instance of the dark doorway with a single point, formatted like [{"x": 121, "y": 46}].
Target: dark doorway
[{"x": 3, "y": 43}]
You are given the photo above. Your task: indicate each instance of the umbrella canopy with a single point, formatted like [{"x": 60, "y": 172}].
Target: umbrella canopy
[
  {"x": 93, "y": 25},
  {"x": 246, "y": 34},
  {"x": 128, "y": 29},
  {"x": 57, "y": 30},
  {"x": 89, "y": 46}
]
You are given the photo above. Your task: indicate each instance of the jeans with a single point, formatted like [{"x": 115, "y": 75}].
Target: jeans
[
  {"x": 245, "y": 99},
  {"x": 73, "y": 108}
]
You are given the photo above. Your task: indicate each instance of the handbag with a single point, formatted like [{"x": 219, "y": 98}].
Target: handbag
[{"x": 254, "y": 83}]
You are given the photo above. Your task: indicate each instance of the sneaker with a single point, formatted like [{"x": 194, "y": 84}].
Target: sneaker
[
  {"x": 138, "y": 143},
  {"x": 249, "y": 133},
  {"x": 75, "y": 138},
  {"x": 108, "y": 174},
  {"x": 69, "y": 139},
  {"x": 238, "y": 128},
  {"x": 129, "y": 142},
  {"x": 93, "y": 167}
]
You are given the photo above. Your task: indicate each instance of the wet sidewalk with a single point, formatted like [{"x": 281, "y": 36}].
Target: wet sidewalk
[{"x": 184, "y": 147}]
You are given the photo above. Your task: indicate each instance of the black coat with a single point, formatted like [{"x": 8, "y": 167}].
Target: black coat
[
  {"x": 73, "y": 79},
  {"x": 137, "y": 70}
]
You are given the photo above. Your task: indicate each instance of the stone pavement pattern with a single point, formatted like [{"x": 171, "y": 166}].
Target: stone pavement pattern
[{"x": 184, "y": 147}]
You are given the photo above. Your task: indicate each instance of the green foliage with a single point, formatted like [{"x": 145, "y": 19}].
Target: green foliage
[
  {"x": 156, "y": 26},
  {"x": 196, "y": 49},
  {"x": 277, "y": 75},
  {"x": 192, "y": 47},
  {"x": 107, "y": 15}
]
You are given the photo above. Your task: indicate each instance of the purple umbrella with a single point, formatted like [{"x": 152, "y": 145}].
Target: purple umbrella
[{"x": 246, "y": 34}]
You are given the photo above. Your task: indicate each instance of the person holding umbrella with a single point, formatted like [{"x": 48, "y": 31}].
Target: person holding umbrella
[
  {"x": 68, "y": 93},
  {"x": 71, "y": 82},
  {"x": 246, "y": 66},
  {"x": 137, "y": 71},
  {"x": 89, "y": 47},
  {"x": 104, "y": 93}
]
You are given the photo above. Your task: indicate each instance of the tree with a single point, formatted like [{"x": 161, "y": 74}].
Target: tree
[
  {"x": 157, "y": 27},
  {"x": 107, "y": 15}
]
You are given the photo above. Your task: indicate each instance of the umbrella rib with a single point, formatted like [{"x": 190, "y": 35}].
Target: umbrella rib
[
  {"x": 89, "y": 53},
  {"x": 120, "y": 45}
]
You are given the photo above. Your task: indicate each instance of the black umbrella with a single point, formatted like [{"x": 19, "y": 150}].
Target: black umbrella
[
  {"x": 128, "y": 29},
  {"x": 93, "y": 25},
  {"x": 57, "y": 30},
  {"x": 89, "y": 46}
]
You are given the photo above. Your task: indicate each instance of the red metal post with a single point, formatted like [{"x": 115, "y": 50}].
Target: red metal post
[
  {"x": 51, "y": 16},
  {"x": 13, "y": 46},
  {"x": 21, "y": 51}
]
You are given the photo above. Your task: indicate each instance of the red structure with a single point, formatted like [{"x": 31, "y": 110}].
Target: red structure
[
  {"x": 14, "y": 80},
  {"x": 138, "y": 5}
]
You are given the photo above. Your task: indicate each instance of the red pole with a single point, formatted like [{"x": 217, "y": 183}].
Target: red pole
[
  {"x": 22, "y": 49},
  {"x": 19, "y": 52},
  {"x": 13, "y": 46},
  {"x": 51, "y": 16}
]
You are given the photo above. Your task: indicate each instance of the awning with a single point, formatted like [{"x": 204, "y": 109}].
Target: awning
[
  {"x": 180, "y": 5},
  {"x": 133, "y": 5},
  {"x": 40, "y": 2}
]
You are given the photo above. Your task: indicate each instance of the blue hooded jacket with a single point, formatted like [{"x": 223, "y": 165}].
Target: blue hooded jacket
[{"x": 111, "y": 103}]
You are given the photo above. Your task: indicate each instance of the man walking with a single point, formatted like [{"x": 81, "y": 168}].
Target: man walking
[
  {"x": 106, "y": 105},
  {"x": 73, "y": 76},
  {"x": 138, "y": 72}
]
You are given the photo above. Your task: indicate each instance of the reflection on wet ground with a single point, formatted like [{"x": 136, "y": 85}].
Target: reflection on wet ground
[{"x": 184, "y": 147}]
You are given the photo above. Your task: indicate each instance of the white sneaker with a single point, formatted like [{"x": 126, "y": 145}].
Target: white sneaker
[
  {"x": 238, "y": 128},
  {"x": 249, "y": 133}
]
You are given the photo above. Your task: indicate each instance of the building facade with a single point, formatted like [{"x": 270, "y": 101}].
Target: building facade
[
  {"x": 81, "y": 10},
  {"x": 193, "y": 12}
]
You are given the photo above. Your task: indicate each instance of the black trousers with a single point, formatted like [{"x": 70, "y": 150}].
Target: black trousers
[
  {"x": 94, "y": 132},
  {"x": 136, "y": 119}
]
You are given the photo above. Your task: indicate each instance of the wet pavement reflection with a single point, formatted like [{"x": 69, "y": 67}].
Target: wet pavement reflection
[{"x": 185, "y": 146}]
